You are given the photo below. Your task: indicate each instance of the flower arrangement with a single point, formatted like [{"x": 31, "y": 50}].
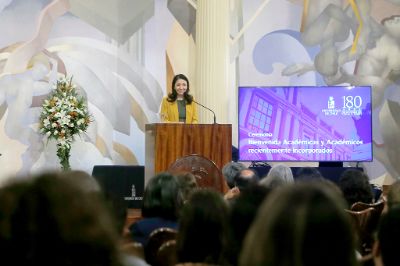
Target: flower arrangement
[{"x": 64, "y": 115}]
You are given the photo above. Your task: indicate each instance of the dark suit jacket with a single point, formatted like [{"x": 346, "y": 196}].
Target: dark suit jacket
[{"x": 141, "y": 230}]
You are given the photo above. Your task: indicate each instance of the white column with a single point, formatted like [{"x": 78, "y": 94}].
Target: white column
[{"x": 212, "y": 59}]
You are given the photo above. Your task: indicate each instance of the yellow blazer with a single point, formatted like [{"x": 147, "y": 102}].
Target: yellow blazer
[{"x": 169, "y": 112}]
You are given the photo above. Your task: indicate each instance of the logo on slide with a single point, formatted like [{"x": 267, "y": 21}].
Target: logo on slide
[{"x": 331, "y": 103}]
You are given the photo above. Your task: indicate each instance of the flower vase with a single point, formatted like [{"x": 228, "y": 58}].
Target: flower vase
[{"x": 63, "y": 153}]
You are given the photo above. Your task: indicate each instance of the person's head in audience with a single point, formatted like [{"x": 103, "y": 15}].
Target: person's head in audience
[
  {"x": 187, "y": 183},
  {"x": 307, "y": 174},
  {"x": 84, "y": 180},
  {"x": 48, "y": 220},
  {"x": 230, "y": 170},
  {"x": 203, "y": 229},
  {"x": 119, "y": 209},
  {"x": 242, "y": 213},
  {"x": 88, "y": 184},
  {"x": 355, "y": 186},
  {"x": 245, "y": 178},
  {"x": 304, "y": 224},
  {"x": 386, "y": 251},
  {"x": 331, "y": 185},
  {"x": 161, "y": 205},
  {"x": 162, "y": 197},
  {"x": 393, "y": 196},
  {"x": 279, "y": 175}
]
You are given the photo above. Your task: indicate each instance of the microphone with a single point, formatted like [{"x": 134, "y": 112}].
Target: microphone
[{"x": 215, "y": 117}]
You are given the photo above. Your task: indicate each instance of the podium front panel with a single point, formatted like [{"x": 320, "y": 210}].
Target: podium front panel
[{"x": 167, "y": 142}]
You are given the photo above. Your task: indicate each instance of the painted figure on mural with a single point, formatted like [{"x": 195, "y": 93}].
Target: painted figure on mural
[{"x": 374, "y": 53}]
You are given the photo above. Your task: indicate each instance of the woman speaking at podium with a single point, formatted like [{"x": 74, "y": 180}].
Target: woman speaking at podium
[{"x": 179, "y": 106}]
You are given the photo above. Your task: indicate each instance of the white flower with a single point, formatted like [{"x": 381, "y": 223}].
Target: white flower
[
  {"x": 46, "y": 122},
  {"x": 80, "y": 121},
  {"x": 61, "y": 114},
  {"x": 56, "y": 119},
  {"x": 64, "y": 120}
]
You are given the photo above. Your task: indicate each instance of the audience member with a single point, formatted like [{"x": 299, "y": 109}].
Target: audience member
[
  {"x": 393, "y": 196},
  {"x": 304, "y": 224},
  {"x": 83, "y": 180},
  {"x": 47, "y": 220},
  {"x": 245, "y": 178},
  {"x": 355, "y": 186},
  {"x": 279, "y": 175},
  {"x": 89, "y": 185},
  {"x": 385, "y": 249},
  {"x": 187, "y": 184},
  {"x": 331, "y": 185},
  {"x": 117, "y": 207},
  {"x": 203, "y": 229},
  {"x": 162, "y": 201},
  {"x": 307, "y": 174},
  {"x": 242, "y": 213},
  {"x": 230, "y": 170}
]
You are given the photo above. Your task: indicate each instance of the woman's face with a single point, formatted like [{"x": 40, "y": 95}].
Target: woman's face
[{"x": 181, "y": 87}]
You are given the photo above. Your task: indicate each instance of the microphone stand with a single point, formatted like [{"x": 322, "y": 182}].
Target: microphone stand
[{"x": 215, "y": 117}]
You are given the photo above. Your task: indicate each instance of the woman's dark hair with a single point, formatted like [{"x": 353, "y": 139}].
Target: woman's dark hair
[
  {"x": 49, "y": 219},
  {"x": 307, "y": 174},
  {"x": 203, "y": 229},
  {"x": 242, "y": 213},
  {"x": 355, "y": 186},
  {"x": 162, "y": 197},
  {"x": 173, "y": 95},
  {"x": 302, "y": 224},
  {"x": 388, "y": 236}
]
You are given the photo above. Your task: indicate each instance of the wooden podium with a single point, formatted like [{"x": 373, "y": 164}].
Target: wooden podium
[{"x": 167, "y": 142}]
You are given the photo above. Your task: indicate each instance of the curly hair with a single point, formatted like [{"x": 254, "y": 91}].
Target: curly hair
[{"x": 355, "y": 186}]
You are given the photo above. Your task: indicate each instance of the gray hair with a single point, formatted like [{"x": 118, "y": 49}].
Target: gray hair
[
  {"x": 278, "y": 176},
  {"x": 230, "y": 170}
]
